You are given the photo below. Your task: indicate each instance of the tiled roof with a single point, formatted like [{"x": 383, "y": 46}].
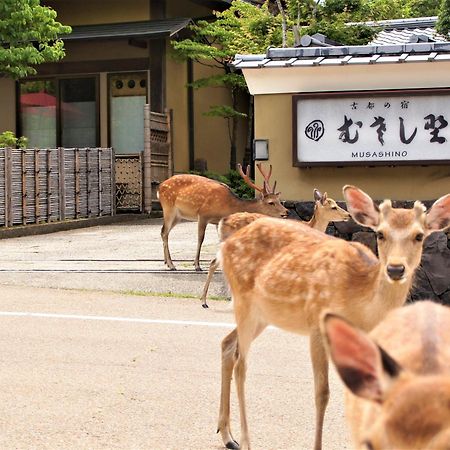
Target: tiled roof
[
  {"x": 404, "y": 31},
  {"x": 145, "y": 29},
  {"x": 345, "y": 55}
]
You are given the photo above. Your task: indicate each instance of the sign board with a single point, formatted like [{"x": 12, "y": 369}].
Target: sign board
[{"x": 372, "y": 128}]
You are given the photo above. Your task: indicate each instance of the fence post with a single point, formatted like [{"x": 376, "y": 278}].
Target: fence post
[
  {"x": 49, "y": 184},
  {"x": 24, "y": 187},
  {"x": 147, "y": 162},
  {"x": 37, "y": 190},
  {"x": 62, "y": 185},
  {"x": 77, "y": 183},
  {"x": 8, "y": 188}
]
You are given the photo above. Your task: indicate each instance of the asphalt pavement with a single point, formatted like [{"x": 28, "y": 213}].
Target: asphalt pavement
[{"x": 103, "y": 349}]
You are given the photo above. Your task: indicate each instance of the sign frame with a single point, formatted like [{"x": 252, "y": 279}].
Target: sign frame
[{"x": 354, "y": 96}]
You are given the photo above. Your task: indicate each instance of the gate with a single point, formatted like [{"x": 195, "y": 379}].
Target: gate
[{"x": 129, "y": 183}]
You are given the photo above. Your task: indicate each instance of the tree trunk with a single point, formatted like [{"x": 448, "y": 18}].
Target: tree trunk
[
  {"x": 283, "y": 23},
  {"x": 233, "y": 134}
]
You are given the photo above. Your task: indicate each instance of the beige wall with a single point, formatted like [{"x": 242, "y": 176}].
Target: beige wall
[
  {"x": 273, "y": 120},
  {"x": 90, "y": 12},
  {"x": 177, "y": 101},
  {"x": 7, "y": 105}
]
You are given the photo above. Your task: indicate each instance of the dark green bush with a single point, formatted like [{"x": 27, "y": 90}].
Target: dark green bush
[{"x": 231, "y": 179}]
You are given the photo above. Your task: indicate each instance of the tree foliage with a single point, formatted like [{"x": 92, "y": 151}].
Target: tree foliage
[
  {"x": 29, "y": 34},
  {"x": 245, "y": 28},
  {"x": 443, "y": 25}
]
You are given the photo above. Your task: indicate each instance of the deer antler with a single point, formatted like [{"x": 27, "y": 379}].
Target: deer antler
[
  {"x": 248, "y": 181},
  {"x": 267, "y": 188}
]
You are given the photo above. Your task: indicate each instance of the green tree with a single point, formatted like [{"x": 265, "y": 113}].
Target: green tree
[
  {"x": 443, "y": 24},
  {"x": 243, "y": 28},
  {"x": 29, "y": 35}
]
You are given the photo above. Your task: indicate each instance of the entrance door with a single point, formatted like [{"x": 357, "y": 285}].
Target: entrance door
[{"x": 127, "y": 97}]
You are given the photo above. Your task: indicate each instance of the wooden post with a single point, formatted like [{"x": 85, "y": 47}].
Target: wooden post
[
  {"x": 49, "y": 184},
  {"x": 88, "y": 187},
  {"x": 147, "y": 172},
  {"x": 113, "y": 181},
  {"x": 37, "y": 190},
  {"x": 8, "y": 188},
  {"x": 100, "y": 181},
  {"x": 62, "y": 185},
  {"x": 77, "y": 183},
  {"x": 24, "y": 187},
  {"x": 169, "y": 115}
]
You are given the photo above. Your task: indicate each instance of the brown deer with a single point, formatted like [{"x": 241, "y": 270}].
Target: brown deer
[
  {"x": 402, "y": 371},
  {"x": 326, "y": 210},
  {"x": 284, "y": 273},
  {"x": 201, "y": 199}
]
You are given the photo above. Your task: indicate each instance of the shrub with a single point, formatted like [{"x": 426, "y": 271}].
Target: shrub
[
  {"x": 231, "y": 179},
  {"x": 9, "y": 139}
]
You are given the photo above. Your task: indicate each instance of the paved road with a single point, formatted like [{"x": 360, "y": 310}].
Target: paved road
[{"x": 95, "y": 369}]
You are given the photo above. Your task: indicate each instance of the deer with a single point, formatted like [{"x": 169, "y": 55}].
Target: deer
[
  {"x": 326, "y": 210},
  {"x": 197, "y": 198},
  {"x": 397, "y": 377},
  {"x": 284, "y": 273}
]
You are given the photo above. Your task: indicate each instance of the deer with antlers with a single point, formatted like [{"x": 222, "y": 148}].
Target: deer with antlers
[
  {"x": 326, "y": 210},
  {"x": 398, "y": 377},
  {"x": 285, "y": 273},
  {"x": 201, "y": 199}
]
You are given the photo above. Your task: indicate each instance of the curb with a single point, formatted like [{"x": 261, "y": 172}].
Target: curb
[{"x": 45, "y": 228}]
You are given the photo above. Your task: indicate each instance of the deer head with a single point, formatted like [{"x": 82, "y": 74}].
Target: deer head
[
  {"x": 270, "y": 203},
  {"x": 399, "y": 232},
  {"x": 328, "y": 209},
  {"x": 403, "y": 409}
]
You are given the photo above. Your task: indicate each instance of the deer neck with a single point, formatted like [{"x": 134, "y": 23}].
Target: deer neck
[
  {"x": 317, "y": 222},
  {"x": 252, "y": 205},
  {"x": 386, "y": 296}
]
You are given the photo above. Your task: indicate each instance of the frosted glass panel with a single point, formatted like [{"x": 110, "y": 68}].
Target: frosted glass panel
[
  {"x": 38, "y": 113},
  {"x": 78, "y": 112},
  {"x": 127, "y": 123}
]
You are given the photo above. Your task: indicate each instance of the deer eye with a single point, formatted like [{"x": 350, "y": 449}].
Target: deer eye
[
  {"x": 419, "y": 237},
  {"x": 271, "y": 203},
  {"x": 334, "y": 207},
  {"x": 368, "y": 445},
  {"x": 380, "y": 235}
]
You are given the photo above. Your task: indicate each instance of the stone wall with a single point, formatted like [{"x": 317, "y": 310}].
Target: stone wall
[{"x": 432, "y": 279}]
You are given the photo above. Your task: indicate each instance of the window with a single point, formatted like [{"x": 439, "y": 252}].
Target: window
[
  {"x": 59, "y": 112},
  {"x": 128, "y": 95}
]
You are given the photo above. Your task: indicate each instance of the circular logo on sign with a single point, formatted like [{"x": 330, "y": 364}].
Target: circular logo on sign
[{"x": 314, "y": 130}]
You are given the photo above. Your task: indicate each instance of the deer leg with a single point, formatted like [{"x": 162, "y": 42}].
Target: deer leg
[
  {"x": 212, "y": 268},
  {"x": 248, "y": 330},
  {"x": 170, "y": 220},
  {"x": 201, "y": 236},
  {"x": 230, "y": 356},
  {"x": 322, "y": 392},
  {"x": 230, "y": 353}
]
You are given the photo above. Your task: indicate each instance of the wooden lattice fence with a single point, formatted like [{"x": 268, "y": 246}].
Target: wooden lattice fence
[{"x": 48, "y": 185}]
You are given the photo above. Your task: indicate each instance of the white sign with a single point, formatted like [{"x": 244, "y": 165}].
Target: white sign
[{"x": 372, "y": 128}]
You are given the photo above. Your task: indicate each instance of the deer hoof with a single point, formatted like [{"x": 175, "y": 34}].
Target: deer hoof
[
  {"x": 204, "y": 305},
  {"x": 233, "y": 445},
  {"x": 198, "y": 269}
]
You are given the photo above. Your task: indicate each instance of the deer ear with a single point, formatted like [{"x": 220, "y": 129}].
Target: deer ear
[
  {"x": 361, "y": 207},
  {"x": 438, "y": 217},
  {"x": 317, "y": 195},
  {"x": 365, "y": 368},
  {"x": 324, "y": 198}
]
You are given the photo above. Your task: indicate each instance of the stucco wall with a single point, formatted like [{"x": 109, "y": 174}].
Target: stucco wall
[
  {"x": 78, "y": 12},
  {"x": 273, "y": 121},
  {"x": 7, "y": 105}
]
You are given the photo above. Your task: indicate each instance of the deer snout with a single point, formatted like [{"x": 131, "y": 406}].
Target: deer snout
[{"x": 395, "y": 271}]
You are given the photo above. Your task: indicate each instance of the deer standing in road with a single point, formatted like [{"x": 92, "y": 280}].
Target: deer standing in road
[
  {"x": 402, "y": 371},
  {"x": 326, "y": 210},
  {"x": 201, "y": 199},
  {"x": 283, "y": 273}
]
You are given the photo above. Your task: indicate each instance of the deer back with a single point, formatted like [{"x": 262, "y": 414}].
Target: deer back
[
  {"x": 398, "y": 377},
  {"x": 291, "y": 271}
]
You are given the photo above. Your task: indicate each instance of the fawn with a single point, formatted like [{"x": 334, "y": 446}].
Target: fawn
[{"x": 402, "y": 371}]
